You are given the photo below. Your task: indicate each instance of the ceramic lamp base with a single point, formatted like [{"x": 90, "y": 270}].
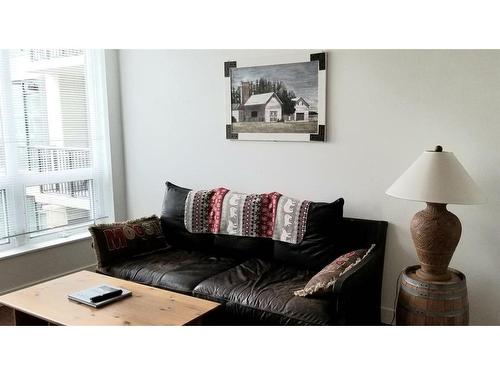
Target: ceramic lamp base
[{"x": 435, "y": 232}]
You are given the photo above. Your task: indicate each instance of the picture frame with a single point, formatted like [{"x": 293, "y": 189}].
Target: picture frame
[{"x": 277, "y": 102}]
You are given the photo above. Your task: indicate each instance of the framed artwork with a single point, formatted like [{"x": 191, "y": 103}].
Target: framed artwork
[{"x": 280, "y": 102}]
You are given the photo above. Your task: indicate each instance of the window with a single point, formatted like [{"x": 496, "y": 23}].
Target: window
[
  {"x": 54, "y": 160},
  {"x": 254, "y": 113}
]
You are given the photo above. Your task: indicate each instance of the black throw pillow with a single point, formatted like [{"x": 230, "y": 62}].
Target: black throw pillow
[
  {"x": 172, "y": 221},
  {"x": 321, "y": 242}
]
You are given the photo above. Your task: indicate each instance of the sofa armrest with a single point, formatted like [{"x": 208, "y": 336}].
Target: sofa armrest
[{"x": 357, "y": 291}]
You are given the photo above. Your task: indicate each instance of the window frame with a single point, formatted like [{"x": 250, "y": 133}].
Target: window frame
[{"x": 15, "y": 182}]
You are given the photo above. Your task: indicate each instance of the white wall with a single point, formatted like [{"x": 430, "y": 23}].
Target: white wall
[
  {"x": 29, "y": 268},
  {"x": 384, "y": 109}
]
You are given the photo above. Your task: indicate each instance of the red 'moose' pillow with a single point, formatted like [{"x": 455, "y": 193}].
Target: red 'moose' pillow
[{"x": 119, "y": 241}]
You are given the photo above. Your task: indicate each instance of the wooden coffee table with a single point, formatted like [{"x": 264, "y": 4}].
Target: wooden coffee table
[{"x": 47, "y": 304}]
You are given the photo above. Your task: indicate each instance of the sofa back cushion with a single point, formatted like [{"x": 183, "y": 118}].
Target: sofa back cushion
[
  {"x": 244, "y": 247},
  {"x": 321, "y": 241},
  {"x": 318, "y": 247},
  {"x": 172, "y": 222},
  {"x": 118, "y": 241}
]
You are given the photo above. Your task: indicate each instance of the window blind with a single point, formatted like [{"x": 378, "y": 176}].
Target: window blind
[{"x": 51, "y": 120}]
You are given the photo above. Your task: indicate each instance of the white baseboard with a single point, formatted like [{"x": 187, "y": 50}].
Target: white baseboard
[
  {"x": 90, "y": 267},
  {"x": 386, "y": 315}
]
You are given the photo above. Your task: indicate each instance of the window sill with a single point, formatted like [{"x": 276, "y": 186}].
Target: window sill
[{"x": 40, "y": 246}]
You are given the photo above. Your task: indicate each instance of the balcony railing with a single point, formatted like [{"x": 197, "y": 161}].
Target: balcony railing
[
  {"x": 50, "y": 159},
  {"x": 49, "y": 54},
  {"x": 74, "y": 189}
]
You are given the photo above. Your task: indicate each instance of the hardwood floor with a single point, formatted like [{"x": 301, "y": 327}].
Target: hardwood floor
[{"x": 6, "y": 318}]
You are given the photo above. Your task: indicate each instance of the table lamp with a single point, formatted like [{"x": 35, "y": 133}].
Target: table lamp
[{"x": 438, "y": 179}]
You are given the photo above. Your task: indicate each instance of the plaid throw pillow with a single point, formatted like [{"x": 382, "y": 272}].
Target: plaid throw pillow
[
  {"x": 324, "y": 281},
  {"x": 117, "y": 241}
]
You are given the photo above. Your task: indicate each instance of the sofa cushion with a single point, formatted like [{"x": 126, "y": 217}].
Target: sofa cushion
[
  {"x": 324, "y": 281},
  {"x": 117, "y": 241},
  {"x": 263, "y": 290},
  {"x": 243, "y": 247},
  {"x": 172, "y": 221},
  {"x": 320, "y": 244},
  {"x": 174, "y": 269}
]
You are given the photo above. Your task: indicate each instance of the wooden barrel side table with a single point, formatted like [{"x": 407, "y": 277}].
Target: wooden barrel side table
[{"x": 423, "y": 302}]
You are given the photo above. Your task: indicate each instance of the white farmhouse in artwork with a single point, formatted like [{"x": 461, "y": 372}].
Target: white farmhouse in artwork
[
  {"x": 263, "y": 108},
  {"x": 266, "y": 107},
  {"x": 301, "y": 109}
]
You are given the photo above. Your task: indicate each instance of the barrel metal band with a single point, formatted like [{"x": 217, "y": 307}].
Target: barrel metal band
[
  {"x": 427, "y": 285},
  {"x": 446, "y": 314},
  {"x": 461, "y": 293}
]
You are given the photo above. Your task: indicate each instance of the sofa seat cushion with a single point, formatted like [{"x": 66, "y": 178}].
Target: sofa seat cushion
[
  {"x": 262, "y": 290},
  {"x": 173, "y": 269}
]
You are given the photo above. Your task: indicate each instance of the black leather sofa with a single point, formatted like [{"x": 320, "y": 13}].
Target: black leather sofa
[{"x": 253, "y": 282}]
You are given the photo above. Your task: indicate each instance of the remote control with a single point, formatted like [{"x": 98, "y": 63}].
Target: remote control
[{"x": 105, "y": 296}]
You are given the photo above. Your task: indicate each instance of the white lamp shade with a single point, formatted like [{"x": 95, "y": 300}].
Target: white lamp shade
[{"x": 437, "y": 177}]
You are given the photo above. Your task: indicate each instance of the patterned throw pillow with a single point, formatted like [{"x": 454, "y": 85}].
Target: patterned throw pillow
[
  {"x": 118, "y": 241},
  {"x": 324, "y": 281}
]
